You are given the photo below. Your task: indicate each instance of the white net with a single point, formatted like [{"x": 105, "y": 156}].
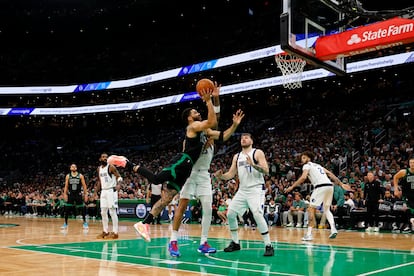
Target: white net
[{"x": 292, "y": 68}]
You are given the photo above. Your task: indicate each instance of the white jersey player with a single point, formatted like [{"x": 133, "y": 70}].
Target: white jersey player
[
  {"x": 251, "y": 166},
  {"x": 108, "y": 178},
  {"x": 322, "y": 192}
]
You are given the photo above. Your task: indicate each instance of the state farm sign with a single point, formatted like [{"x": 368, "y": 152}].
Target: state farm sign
[{"x": 373, "y": 37}]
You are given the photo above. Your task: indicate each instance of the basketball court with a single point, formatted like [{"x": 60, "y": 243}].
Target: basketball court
[{"x": 38, "y": 246}]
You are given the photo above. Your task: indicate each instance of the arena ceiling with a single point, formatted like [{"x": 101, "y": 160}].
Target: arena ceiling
[{"x": 46, "y": 42}]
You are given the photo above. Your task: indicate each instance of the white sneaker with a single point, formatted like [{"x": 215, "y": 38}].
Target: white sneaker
[
  {"x": 143, "y": 230},
  {"x": 307, "y": 237},
  {"x": 298, "y": 225},
  {"x": 368, "y": 229},
  {"x": 289, "y": 225},
  {"x": 376, "y": 229}
]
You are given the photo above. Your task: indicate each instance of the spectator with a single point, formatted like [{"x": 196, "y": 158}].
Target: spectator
[
  {"x": 271, "y": 213},
  {"x": 297, "y": 210}
]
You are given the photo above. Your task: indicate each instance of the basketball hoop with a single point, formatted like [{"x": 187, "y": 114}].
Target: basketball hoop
[{"x": 292, "y": 68}]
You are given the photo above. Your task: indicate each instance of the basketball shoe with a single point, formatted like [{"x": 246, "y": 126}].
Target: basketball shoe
[
  {"x": 143, "y": 230},
  {"x": 232, "y": 247},
  {"x": 206, "y": 249},
  {"x": 173, "y": 249}
]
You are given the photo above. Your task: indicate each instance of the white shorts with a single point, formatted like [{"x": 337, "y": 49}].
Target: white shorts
[
  {"x": 321, "y": 195},
  {"x": 253, "y": 199},
  {"x": 109, "y": 199},
  {"x": 198, "y": 184}
]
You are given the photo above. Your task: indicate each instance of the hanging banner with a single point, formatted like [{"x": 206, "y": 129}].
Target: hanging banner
[{"x": 374, "y": 37}]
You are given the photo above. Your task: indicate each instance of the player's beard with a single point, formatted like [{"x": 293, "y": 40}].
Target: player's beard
[{"x": 246, "y": 146}]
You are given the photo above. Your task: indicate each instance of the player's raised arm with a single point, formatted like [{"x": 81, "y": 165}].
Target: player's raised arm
[
  {"x": 225, "y": 135},
  {"x": 211, "y": 121}
]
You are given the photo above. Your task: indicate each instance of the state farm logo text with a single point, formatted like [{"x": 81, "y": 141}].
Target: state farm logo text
[{"x": 392, "y": 30}]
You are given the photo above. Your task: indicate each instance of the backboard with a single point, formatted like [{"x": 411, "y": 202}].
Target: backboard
[{"x": 302, "y": 22}]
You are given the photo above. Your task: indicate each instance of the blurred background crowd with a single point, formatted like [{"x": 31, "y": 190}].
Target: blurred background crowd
[{"x": 357, "y": 123}]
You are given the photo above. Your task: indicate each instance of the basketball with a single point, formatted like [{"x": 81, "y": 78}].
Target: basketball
[{"x": 204, "y": 84}]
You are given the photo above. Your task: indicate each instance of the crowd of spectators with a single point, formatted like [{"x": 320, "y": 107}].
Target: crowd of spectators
[{"x": 351, "y": 128}]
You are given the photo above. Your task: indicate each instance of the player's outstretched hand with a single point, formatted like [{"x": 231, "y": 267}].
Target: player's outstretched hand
[
  {"x": 206, "y": 94},
  {"x": 238, "y": 116},
  {"x": 216, "y": 91}
]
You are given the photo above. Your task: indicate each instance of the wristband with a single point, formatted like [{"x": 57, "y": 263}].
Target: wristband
[
  {"x": 119, "y": 179},
  {"x": 216, "y": 109}
]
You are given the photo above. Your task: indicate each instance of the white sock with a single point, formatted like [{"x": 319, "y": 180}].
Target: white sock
[
  {"x": 330, "y": 218},
  {"x": 206, "y": 202},
  {"x": 266, "y": 239},
  {"x": 105, "y": 219},
  {"x": 114, "y": 218},
  {"x": 235, "y": 236},
  {"x": 174, "y": 235}
]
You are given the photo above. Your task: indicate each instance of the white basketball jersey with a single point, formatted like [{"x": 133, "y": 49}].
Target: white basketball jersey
[
  {"x": 316, "y": 174},
  {"x": 248, "y": 176},
  {"x": 204, "y": 161},
  {"x": 107, "y": 180}
]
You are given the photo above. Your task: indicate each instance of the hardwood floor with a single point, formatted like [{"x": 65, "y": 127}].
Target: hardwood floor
[{"x": 18, "y": 259}]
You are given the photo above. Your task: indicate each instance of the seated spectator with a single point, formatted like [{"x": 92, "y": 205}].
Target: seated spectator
[
  {"x": 249, "y": 220},
  {"x": 349, "y": 203},
  {"x": 296, "y": 210},
  {"x": 385, "y": 210},
  {"x": 402, "y": 215},
  {"x": 222, "y": 211},
  {"x": 271, "y": 213}
]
